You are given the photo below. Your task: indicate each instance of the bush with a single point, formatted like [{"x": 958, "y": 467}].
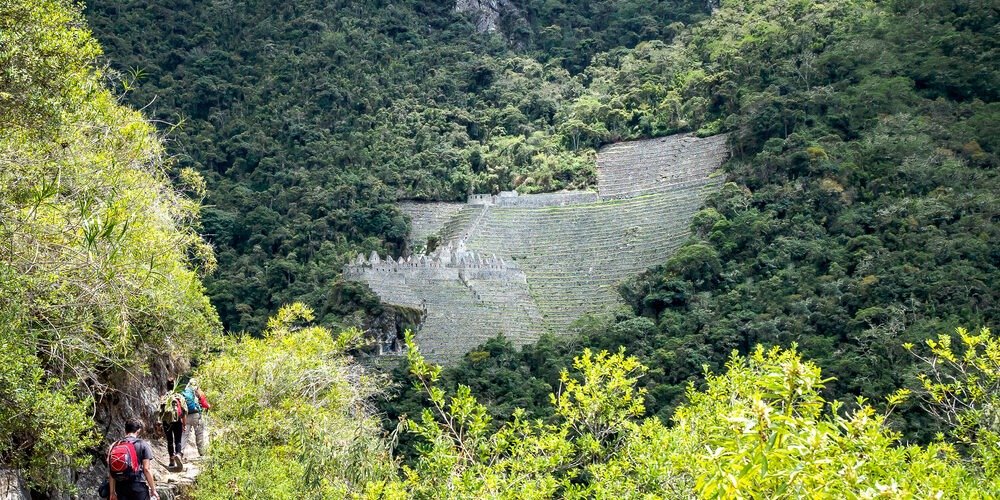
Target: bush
[{"x": 294, "y": 414}]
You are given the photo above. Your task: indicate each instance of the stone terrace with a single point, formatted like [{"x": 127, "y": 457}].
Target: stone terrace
[
  {"x": 552, "y": 258},
  {"x": 428, "y": 219},
  {"x": 457, "y": 291},
  {"x": 641, "y": 167}
]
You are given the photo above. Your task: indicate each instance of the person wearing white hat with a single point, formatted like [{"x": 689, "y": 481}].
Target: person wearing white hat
[{"x": 197, "y": 405}]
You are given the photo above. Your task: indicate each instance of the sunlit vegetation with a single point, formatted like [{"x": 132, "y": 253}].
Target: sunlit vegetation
[
  {"x": 760, "y": 428},
  {"x": 99, "y": 254},
  {"x": 860, "y": 214},
  {"x": 792, "y": 348},
  {"x": 295, "y": 414},
  {"x": 309, "y": 120}
]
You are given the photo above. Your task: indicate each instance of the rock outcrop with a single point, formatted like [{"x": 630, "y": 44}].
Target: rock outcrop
[
  {"x": 12, "y": 486},
  {"x": 485, "y": 13}
]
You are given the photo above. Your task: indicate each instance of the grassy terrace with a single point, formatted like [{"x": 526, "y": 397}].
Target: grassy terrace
[
  {"x": 574, "y": 256},
  {"x": 428, "y": 218},
  {"x": 570, "y": 251}
]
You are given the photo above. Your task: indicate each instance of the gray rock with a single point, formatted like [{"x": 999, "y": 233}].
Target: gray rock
[{"x": 12, "y": 486}]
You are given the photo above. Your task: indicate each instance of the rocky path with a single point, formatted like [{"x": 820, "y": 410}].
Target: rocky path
[{"x": 174, "y": 483}]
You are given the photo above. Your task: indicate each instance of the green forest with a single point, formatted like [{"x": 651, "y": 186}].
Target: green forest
[{"x": 182, "y": 181}]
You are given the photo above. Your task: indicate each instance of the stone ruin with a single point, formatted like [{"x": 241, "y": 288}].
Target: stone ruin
[{"x": 523, "y": 265}]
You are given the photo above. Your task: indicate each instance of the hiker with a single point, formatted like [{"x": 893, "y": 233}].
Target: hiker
[
  {"x": 173, "y": 411},
  {"x": 130, "y": 476},
  {"x": 196, "y": 405}
]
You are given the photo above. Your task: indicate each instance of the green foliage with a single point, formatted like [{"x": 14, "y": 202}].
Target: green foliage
[
  {"x": 762, "y": 430},
  {"x": 599, "y": 407},
  {"x": 503, "y": 377},
  {"x": 47, "y": 54},
  {"x": 465, "y": 456},
  {"x": 856, "y": 218},
  {"x": 294, "y": 415},
  {"x": 759, "y": 430},
  {"x": 309, "y": 120},
  {"x": 44, "y": 424},
  {"x": 860, "y": 211},
  {"x": 571, "y": 32},
  {"x": 961, "y": 386},
  {"x": 98, "y": 253}
]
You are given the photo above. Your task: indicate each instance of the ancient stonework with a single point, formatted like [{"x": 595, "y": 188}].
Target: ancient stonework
[
  {"x": 523, "y": 265},
  {"x": 428, "y": 219}
]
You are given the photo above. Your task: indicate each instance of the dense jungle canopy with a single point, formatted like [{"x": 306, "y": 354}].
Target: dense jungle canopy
[{"x": 257, "y": 146}]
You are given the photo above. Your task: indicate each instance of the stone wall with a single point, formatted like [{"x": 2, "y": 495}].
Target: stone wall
[
  {"x": 523, "y": 265},
  {"x": 457, "y": 290},
  {"x": 574, "y": 256},
  {"x": 514, "y": 199},
  {"x": 428, "y": 219},
  {"x": 635, "y": 168}
]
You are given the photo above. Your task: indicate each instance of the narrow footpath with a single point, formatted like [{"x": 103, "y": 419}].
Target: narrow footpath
[{"x": 172, "y": 483}]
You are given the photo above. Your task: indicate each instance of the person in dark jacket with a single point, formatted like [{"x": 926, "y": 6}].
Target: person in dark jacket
[{"x": 173, "y": 412}]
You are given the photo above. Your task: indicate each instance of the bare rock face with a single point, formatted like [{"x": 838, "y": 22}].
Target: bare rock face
[
  {"x": 127, "y": 395},
  {"x": 12, "y": 487},
  {"x": 486, "y": 13}
]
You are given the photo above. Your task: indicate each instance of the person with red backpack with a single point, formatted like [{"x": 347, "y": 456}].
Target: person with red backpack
[{"x": 129, "y": 474}]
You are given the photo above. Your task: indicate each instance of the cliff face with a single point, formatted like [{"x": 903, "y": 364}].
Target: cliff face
[
  {"x": 12, "y": 486},
  {"x": 134, "y": 393},
  {"x": 486, "y": 13}
]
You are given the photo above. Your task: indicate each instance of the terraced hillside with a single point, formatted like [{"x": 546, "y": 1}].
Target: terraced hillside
[
  {"x": 428, "y": 219},
  {"x": 457, "y": 291},
  {"x": 550, "y": 258}
]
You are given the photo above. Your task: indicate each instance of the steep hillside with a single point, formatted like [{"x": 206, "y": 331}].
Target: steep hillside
[
  {"x": 100, "y": 261},
  {"x": 309, "y": 120},
  {"x": 804, "y": 336},
  {"x": 524, "y": 265},
  {"x": 863, "y": 212}
]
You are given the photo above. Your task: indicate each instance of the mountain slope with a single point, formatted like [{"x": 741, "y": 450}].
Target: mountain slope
[
  {"x": 863, "y": 208},
  {"x": 310, "y": 119}
]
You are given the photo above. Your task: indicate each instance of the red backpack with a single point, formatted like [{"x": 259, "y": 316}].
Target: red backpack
[{"x": 123, "y": 462}]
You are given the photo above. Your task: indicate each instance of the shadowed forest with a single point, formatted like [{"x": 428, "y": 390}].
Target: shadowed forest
[
  {"x": 861, "y": 212},
  {"x": 189, "y": 177}
]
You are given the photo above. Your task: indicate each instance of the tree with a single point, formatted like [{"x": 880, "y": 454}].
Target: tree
[
  {"x": 295, "y": 414},
  {"x": 99, "y": 256},
  {"x": 960, "y": 385},
  {"x": 759, "y": 429}
]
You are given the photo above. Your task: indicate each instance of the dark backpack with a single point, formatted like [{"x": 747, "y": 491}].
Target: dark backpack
[
  {"x": 170, "y": 409},
  {"x": 123, "y": 461},
  {"x": 192, "y": 401}
]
